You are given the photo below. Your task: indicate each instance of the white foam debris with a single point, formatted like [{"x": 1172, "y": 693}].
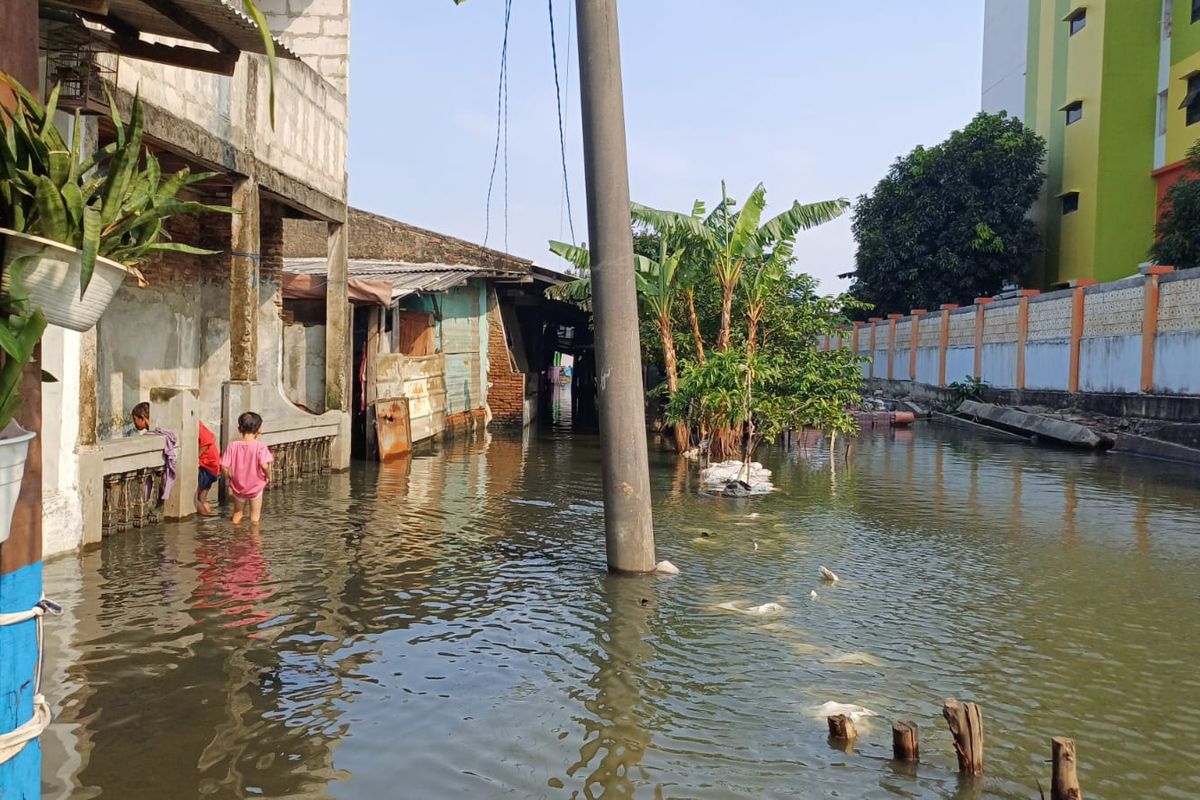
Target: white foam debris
[
  {"x": 715, "y": 477},
  {"x": 738, "y": 607},
  {"x": 666, "y": 568},
  {"x": 854, "y": 712},
  {"x": 812, "y": 595},
  {"x": 828, "y": 575}
]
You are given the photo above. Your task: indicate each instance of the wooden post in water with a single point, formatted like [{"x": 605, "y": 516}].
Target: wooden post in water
[
  {"x": 841, "y": 728},
  {"x": 905, "y": 746},
  {"x": 1064, "y": 783},
  {"x": 966, "y": 725}
]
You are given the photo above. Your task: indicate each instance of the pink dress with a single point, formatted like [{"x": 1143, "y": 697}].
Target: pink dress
[{"x": 244, "y": 462}]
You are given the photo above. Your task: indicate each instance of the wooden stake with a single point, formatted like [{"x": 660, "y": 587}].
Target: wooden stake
[
  {"x": 1064, "y": 783},
  {"x": 904, "y": 741},
  {"x": 966, "y": 725},
  {"x": 841, "y": 728}
]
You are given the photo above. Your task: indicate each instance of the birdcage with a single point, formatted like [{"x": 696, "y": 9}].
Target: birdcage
[{"x": 80, "y": 61}]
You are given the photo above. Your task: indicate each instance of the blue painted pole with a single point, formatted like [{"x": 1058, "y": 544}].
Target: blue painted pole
[{"x": 20, "y": 778}]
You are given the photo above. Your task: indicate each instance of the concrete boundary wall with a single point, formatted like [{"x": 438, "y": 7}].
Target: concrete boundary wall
[{"x": 1136, "y": 336}]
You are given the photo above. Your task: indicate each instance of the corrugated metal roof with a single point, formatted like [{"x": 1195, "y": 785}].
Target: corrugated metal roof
[
  {"x": 406, "y": 279},
  {"x": 223, "y": 17}
]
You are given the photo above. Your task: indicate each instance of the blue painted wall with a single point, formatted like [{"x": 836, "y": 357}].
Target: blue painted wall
[
  {"x": 928, "y": 362},
  {"x": 999, "y": 365},
  {"x": 20, "y": 778},
  {"x": 1110, "y": 364},
  {"x": 1177, "y": 363},
  {"x": 1048, "y": 364},
  {"x": 960, "y": 362}
]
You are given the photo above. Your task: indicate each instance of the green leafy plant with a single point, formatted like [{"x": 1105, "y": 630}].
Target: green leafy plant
[
  {"x": 969, "y": 388},
  {"x": 111, "y": 204},
  {"x": 21, "y": 329}
]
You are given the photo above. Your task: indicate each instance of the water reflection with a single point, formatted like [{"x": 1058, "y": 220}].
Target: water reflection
[{"x": 443, "y": 627}]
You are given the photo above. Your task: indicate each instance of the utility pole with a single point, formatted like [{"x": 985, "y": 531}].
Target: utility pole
[{"x": 628, "y": 524}]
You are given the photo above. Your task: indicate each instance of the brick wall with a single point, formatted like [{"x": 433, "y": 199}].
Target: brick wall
[{"x": 506, "y": 386}]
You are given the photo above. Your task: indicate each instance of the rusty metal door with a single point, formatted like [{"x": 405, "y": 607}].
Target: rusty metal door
[{"x": 392, "y": 428}]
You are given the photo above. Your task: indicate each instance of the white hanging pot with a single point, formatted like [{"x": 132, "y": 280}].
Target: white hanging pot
[
  {"x": 14, "y": 446},
  {"x": 52, "y": 280}
]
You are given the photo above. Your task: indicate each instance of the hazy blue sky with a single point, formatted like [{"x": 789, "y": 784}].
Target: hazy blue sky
[{"x": 815, "y": 99}]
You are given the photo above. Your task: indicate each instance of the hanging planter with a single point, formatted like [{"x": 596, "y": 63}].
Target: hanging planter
[
  {"x": 14, "y": 447},
  {"x": 53, "y": 276}
]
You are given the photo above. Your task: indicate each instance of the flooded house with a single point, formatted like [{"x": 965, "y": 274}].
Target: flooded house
[
  {"x": 203, "y": 340},
  {"x": 446, "y": 335}
]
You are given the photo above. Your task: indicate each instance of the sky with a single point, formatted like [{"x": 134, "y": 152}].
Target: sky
[{"x": 813, "y": 99}]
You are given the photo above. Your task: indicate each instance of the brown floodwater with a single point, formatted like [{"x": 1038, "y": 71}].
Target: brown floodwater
[{"x": 444, "y": 628}]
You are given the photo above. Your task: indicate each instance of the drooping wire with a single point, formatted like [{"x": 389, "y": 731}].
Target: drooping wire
[
  {"x": 501, "y": 117},
  {"x": 562, "y": 140}
]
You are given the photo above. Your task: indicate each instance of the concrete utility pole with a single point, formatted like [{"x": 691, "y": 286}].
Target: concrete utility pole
[{"x": 628, "y": 525}]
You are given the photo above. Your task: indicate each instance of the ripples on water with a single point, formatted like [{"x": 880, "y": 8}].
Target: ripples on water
[{"x": 444, "y": 628}]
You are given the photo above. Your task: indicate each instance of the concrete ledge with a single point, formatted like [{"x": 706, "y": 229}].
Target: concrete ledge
[
  {"x": 1156, "y": 448},
  {"x": 144, "y": 451}
]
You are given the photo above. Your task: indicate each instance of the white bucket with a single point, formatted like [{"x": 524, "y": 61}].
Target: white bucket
[
  {"x": 14, "y": 446},
  {"x": 53, "y": 280}
]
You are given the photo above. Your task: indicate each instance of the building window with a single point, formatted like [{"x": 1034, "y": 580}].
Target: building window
[
  {"x": 1070, "y": 203},
  {"x": 1077, "y": 20},
  {"x": 1195, "y": 10},
  {"x": 1161, "y": 121},
  {"x": 1074, "y": 112},
  {"x": 1191, "y": 100}
]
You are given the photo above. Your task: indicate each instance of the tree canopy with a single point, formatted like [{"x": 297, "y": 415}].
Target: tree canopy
[
  {"x": 949, "y": 223},
  {"x": 1177, "y": 241}
]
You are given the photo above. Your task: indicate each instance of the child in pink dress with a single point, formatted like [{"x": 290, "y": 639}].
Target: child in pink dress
[{"x": 245, "y": 465}]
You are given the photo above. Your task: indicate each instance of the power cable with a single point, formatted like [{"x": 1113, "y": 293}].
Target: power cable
[
  {"x": 501, "y": 119},
  {"x": 562, "y": 140}
]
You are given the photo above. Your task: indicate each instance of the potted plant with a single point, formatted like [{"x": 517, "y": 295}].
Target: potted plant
[
  {"x": 71, "y": 229},
  {"x": 76, "y": 226}
]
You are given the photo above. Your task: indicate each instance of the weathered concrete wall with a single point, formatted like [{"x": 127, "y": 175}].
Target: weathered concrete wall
[
  {"x": 304, "y": 365},
  {"x": 900, "y": 353},
  {"x": 1137, "y": 339},
  {"x": 62, "y": 510},
  {"x": 999, "y": 344},
  {"x": 226, "y": 121},
  {"x": 1047, "y": 346},
  {"x": 1110, "y": 355},
  {"x": 316, "y": 30},
  {"x": 1177, "y": 347}
]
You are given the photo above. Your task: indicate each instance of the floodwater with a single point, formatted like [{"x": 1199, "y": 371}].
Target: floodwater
[{"x": 444, "y": 628}]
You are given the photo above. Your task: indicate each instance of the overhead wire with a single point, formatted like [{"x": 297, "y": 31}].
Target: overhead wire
[
  {"x": 501, "y": 125},
  {"x": 562, "y": 140}
]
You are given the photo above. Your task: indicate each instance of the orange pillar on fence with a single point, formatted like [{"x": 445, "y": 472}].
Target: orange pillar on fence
[
  {"x": 825, "y": 346},
  {"x": 914, "y": 341},
  {"x": 1023, "y": 334},
  {"x": 1150, "y": 323},
  {"x": 873, "y": 321},
  {"x": 892, "y": 344},
  {"x": 1078, "y": 292},
  {"x": 980, "y": 305},
  {"x": 944, "y": 346}
]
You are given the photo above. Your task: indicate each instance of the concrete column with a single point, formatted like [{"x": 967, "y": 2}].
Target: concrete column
[
  {"x": 176, "y": 409},
  {"x": 237, "y": 397},
  {"x": 243, "y": 282},
  {"x": 980, "y": 304},
  {"x": 338, "y": 343},
  {"x": 892, "y": 345},
  {"x": 628, "y": 521},
  {"x": 1150, "y": 323},
  {"x": 914, "y": 344},
  {"x": 1022, "y": 334},
  {"x": 1078, "y": 298},
  {"x": 91, "y": 459},
  {"x": 874, "y": 325},
  {"x": 944, "y": 345}
]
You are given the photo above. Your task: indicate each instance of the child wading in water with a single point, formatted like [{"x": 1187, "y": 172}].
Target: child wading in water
[{"x": 245, "y": 465}]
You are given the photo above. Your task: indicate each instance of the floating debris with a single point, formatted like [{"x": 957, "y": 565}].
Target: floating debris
[
  {"x": 736, "y": 606},
  {"x": 752, "y": 479},
  {"x": 854, "y": 660},
  {"x": 812, "y": 595},
  {"x": 666, "y": 568},
  {"x": 854, "y": 712},
  {"x": 828, "y": 575}
]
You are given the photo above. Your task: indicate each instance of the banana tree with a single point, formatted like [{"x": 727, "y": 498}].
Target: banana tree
[{"x": 657, "y": 291}]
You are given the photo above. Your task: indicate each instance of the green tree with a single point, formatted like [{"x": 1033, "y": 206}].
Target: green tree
[
  {"x": 949, "y": 223},
  {"x": 1177, "y": 235}
]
